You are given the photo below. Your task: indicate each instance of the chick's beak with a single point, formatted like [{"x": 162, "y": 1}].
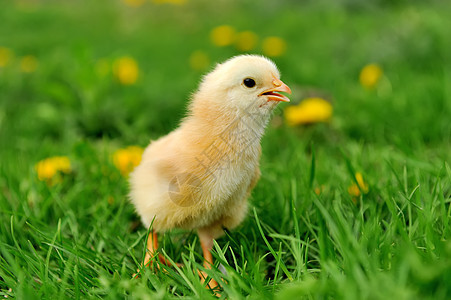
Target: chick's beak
[{"x": 273, "y": 94}]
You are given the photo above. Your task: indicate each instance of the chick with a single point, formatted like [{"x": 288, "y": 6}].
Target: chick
[{"x": 199, "y": 176}]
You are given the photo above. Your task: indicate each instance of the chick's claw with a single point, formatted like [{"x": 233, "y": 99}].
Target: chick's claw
[
  {"x": 152, "y": 256},
  {"x": 150, "y": 264},
  {"x": 211, "y": 284},
  {"x": 166, "y": 262}
]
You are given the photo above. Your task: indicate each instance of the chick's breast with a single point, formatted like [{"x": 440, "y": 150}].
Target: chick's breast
[{"x": 176, "y": 185}]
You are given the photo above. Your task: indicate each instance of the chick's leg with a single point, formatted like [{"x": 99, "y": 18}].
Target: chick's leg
[
  {"x": 152, "y": 247},
  {"x": 206, "y": 242}
]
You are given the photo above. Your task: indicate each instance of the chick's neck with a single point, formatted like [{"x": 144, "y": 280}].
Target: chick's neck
[{"x": 238, "y": 129}]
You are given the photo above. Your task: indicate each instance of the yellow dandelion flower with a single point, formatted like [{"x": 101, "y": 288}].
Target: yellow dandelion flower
[
  {"x": 310, "y": 110},
  {"x": 126, "y": 70},
  {"x": 5, "y": 56},
  {"x": 175, "y": 2},
  {"x": 28, "y": 64},
  {"x": 246, "y": 41},
  {"x": 319, "y": 189},
  {"x": 274, "y": 46},
  {"x": 127, "y": 159},
  {"x": 133, "y": 3},
  {"x": 49, "y": 168},
  {"x": 223, "y": 35},
  {"x": 354, "y": 189},
  {"x": 199, "y": 60},
  {"x": 370, "y": 76}
]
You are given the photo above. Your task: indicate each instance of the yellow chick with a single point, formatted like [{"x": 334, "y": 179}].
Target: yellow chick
[{"x": 199, "y": 176}]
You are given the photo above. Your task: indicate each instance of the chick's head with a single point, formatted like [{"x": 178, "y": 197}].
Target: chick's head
[{"x": 244, "y": 83}]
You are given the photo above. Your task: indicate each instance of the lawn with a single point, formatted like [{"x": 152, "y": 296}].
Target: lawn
[{"x": 356, "y": 207}]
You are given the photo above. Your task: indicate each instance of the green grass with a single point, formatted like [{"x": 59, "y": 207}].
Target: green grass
[{"x": 81, "y": 238}]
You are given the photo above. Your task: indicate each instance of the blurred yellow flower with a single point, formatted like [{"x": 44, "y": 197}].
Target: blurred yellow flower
[
  {"x": 5, "y": 56},
  {"x": 28, "y": 64},
  {"x": 199, "y": 60},
  {"x": 274, "y": 46},
  {"x": 127, "y": 159},
  {"x": 310, "y": 110},
  {"x": 223, "y": 35},
  {"x": 246, "y": 41},
  {"x": 126, "y": 70},
  {"x": 319, "y": 189},
  {"x": 48, "y": 169},
  {"x": 370, "y": 75},
  {"x": 176, "y": 2},
  {"x": 133, "y": 3},
  {"x": 355, "y": 190}
]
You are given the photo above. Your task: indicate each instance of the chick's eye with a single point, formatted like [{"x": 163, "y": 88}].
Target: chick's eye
[{"x": 249, "y": 82}]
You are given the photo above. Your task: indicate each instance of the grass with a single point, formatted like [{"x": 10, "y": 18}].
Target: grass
[{"x": 80, "y": 238}]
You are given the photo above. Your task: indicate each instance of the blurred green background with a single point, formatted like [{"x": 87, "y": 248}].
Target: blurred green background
[
  {"x": 85, "y": 78},
  {"x": 327, "y": 43}
]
